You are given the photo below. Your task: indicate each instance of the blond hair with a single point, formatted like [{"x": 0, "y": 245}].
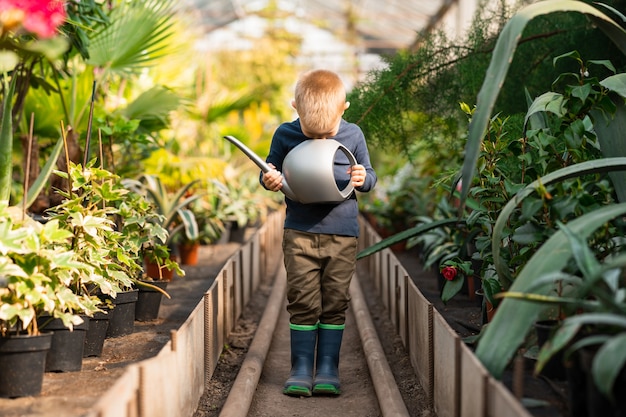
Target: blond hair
[{"x": 320, "y": 100}]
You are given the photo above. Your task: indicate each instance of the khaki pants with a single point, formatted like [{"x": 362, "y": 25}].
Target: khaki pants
[{"x": 319, "y": 270}]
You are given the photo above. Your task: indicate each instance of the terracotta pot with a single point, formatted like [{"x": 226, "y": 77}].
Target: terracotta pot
[
  {"x": 156, "y": 272},
  {"x": 188, "y": 253}
]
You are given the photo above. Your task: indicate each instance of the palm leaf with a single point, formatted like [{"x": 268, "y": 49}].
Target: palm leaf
[
  {"x": 225, "y": 105},
  {"x": 137, "y": 36}
]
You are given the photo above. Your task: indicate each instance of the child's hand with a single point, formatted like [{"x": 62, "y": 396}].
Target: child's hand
[
  {"x": 357, "y": 175},
  {"x": 273, "y": 179}
]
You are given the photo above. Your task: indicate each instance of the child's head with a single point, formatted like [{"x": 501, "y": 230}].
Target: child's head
[{"x": 320, "y": 101}]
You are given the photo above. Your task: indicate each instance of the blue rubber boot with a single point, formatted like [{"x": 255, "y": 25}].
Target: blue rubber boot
[
  {"x": 327, "y": 370},
  {"x": 303, "y": 340}
]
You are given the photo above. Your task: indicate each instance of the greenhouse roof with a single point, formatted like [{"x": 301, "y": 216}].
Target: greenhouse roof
[{"x": 380, "y": 26}]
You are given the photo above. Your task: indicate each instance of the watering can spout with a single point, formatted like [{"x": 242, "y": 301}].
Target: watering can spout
[{"x": 261, "y": 164}]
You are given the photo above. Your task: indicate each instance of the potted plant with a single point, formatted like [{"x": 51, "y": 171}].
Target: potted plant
[
  {"x": 209, "y": 214},
  {"x": 103, "y": 219},
  {"x": 595, "y": 108},
  {"x": 592, "y": 336},
  {"x": 174, "y": 217},
  {"x": 37, "y": 269},
  {"x": 245, "y": 205}
]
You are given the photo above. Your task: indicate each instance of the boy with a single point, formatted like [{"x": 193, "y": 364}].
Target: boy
[{"x": 320, "y": 240}]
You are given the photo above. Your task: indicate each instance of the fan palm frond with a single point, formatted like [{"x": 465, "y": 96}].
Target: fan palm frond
[{"x": 137, "y": 36}]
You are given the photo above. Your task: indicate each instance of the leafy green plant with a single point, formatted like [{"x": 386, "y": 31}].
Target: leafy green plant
[
  {"x": 600, "y": 292},
  {"x": 397, "y": 202},
  {"x": 565, "y": 166},
  {"x": 596, "y": 304},
  {"x": 173, "y": 208},
  {"x": 552, "y": 256},
  {"x": 175, "y": 218},
  {"x": 112, "y": 228},
  {"x": 501, "y": 59},
  {"x": 38, "y": 269},
  {"x": 496, "y": 357},
  {"x": 245, "y": 205},
  {"x": 109, "y": 226},
  {"x": 210, "y": 213}
]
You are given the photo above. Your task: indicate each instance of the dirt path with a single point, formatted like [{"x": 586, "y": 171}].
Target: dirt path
[{"x": 357, "y": 399}]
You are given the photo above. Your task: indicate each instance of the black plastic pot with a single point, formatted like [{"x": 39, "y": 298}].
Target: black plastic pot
[
  {"x": 66, "y": 349},
  {"x": 237, "y": 233},
  {"x": 149, "y": 301},
  {"x": 595, "y": 404},
  {"x": 96, "y": 334},
  {"x": 22, "y": 364},
  {"x": 122, "y": 316},
  {"x": 554, "y": 368}
]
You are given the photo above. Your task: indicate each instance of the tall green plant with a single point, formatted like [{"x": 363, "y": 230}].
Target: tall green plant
[
  {"x": 136, "y": 37},
  {"x": 6, "y": 140},
  {"x": 504, "y": 335},
  {"x": 501, "y": 60},
  {"x": 510, "y": 326}
]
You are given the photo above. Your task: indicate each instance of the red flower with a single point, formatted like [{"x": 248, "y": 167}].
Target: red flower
[
  {"x": 449, "y": 272},
  {"x": 40, "y": 17}
]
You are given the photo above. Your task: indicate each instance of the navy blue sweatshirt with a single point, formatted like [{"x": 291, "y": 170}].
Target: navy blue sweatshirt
[{"x": 325, "y": 218}]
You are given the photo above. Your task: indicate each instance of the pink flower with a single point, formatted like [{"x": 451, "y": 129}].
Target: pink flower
[
  {"x": 40, "y": 17},
  {"x": 449, "y": 272}
]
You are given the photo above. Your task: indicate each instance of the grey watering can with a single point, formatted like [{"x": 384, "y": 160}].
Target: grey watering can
[{"x": 308, "y": 175}]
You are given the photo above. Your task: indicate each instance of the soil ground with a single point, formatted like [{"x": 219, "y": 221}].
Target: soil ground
[{"x": 71, "y": 394}]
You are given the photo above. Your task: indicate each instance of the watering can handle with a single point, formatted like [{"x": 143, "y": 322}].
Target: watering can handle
[{"x": 261, "y": 164}]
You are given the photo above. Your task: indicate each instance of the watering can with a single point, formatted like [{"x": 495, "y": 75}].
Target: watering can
[{"x": 308, "y": 175}]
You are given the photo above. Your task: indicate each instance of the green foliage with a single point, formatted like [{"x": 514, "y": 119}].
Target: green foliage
[
  {"x": 500, "y": 63},
  {"x": 83, "y": 17},
  {"x": 519, "y": 187},
  {"x": 551, "y": 257},
  {"x": 135, "y": 38},
  {"x": 6, "y": 139},
  {"x": 409, "y": 105},
  {"x": 389, "y": 110},
  {"x": 397, "y": 201},
  {"x": 110, "y": 226},
  {"x": 173, "y": 221},
  {"x": 245, "y": 202},
  {"x": 600, "y": 322},
  {"x": 37, "y": 268}
]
